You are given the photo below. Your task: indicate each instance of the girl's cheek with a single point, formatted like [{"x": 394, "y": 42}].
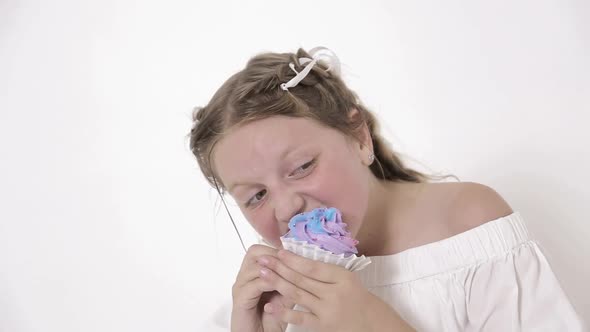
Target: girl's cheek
[{"x": 262, "y": 224}]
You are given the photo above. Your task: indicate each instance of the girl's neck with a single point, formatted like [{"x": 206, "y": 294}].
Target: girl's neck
[{"x": 388, "y": 201}]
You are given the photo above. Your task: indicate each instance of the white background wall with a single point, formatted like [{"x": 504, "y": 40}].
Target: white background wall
[{"x": 106, "y": 223}]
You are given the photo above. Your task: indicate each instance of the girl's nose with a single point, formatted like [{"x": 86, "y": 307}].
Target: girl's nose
[{"x": 288, "y": 205}]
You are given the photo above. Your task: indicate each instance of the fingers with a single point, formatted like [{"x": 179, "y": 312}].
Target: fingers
[
  {"x": 252, "y": 290},
  {"x": 296, "y": 317},
  {"x": 281, "y": 301},
  {"x": 256, "y": 251},
  {"x": 249, "y": 268},
  {"x": 289, "y": 290},
  {"x": 307, "y": 283},
  {"x": 248, "y": 287},
  {"x": 324, "y": 272}
]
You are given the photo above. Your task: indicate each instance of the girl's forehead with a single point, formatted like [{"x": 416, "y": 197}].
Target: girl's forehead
[
  {"x": 265, "y": 143},
  {"x": 274, "y": 130}
]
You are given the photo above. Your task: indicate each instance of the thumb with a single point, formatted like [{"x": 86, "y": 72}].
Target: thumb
[{"x": 281, "y": 301}]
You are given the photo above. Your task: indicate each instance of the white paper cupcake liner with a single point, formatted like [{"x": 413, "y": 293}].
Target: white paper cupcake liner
[{"x": 312, "y": 251}]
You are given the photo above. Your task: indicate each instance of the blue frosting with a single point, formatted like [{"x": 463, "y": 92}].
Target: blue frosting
[{"x": 314, "y": 219}]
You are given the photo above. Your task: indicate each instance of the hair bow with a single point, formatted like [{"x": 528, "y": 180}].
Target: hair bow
[{"x": 316, "y": 53}]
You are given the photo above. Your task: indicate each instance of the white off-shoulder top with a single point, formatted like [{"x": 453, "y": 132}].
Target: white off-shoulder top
[{"x": 493, "y": 277}]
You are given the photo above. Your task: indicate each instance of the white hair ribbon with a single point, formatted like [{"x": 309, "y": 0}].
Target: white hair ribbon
[{"x": 316, "y": 53}]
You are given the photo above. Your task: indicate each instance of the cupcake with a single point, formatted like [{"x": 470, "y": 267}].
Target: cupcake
[{"x": 321, "y": 235}]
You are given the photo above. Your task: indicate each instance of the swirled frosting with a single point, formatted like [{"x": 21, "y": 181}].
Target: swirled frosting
[{"x": 323, "y": 227}]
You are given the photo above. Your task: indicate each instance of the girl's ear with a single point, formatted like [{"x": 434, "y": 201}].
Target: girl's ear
[{"x": 363, "y": 133}]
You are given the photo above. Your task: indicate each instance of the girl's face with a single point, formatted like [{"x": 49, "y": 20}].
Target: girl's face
[{"x": 278, "y": 167}]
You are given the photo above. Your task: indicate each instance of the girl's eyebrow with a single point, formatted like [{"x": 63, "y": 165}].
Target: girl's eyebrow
[
  {"x": 233, "y": 186},
  {"x": 282, "y": 156}
]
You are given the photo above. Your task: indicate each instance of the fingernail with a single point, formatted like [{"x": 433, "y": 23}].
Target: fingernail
[
  {"x": 262, "y": 261},
  {"x": 264, "y": 272}
]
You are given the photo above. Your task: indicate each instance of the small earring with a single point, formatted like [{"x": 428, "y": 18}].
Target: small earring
[{"x": 371, "y": 158}]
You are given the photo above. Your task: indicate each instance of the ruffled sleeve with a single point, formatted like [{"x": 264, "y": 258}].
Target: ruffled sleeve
[
  {"x": 494, "y": 277},
  {"x": 517, "y": 292}
]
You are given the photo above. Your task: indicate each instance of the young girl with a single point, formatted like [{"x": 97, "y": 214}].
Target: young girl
[{"x": 284, "y": 136}]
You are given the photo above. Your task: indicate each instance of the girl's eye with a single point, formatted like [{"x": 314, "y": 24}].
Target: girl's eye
[
  {"x": 260, "y": 195},
  {"x": 305, "y": 167},
  {"x": 256, "y": 198}
]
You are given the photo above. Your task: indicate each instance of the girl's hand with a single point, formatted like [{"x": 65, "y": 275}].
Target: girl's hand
[
  {"x": 250, "y": 293},
  {"x": 335, "y": 297}
]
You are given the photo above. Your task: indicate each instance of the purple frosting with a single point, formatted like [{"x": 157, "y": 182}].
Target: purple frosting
[{"x": 323, "y": 227}]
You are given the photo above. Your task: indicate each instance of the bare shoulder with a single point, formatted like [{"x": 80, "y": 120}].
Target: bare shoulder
[
  {"x": 445, "y": 209},
  {"x": 474, "y": 204}
]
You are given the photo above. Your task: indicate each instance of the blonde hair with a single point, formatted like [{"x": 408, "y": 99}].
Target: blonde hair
[{"x": 254, "y": 93}]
